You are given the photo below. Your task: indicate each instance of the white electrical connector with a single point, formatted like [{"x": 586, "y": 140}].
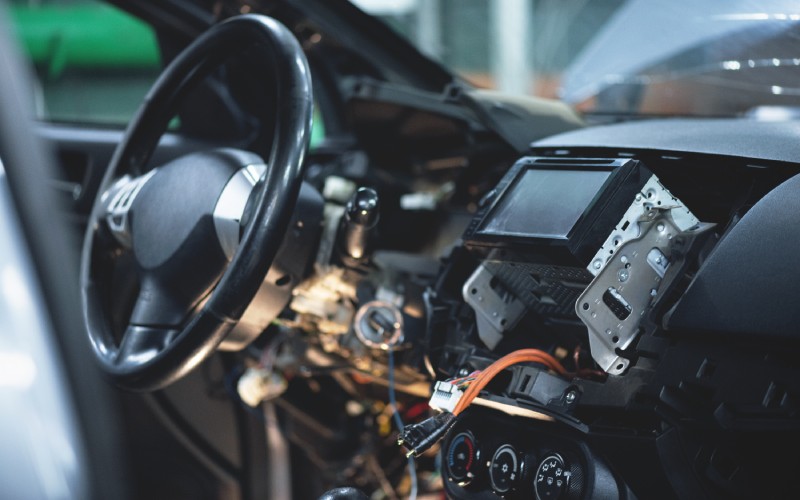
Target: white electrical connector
[
  {"x": 257, "y": 385},
  {"x": 445, "y": 397}
]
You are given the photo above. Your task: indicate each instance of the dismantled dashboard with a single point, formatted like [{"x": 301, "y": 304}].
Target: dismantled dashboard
[
  {"x": 619, "y": 287},
  {"x": 580, "y": 338},
  {"x": 610, "y": 311}
]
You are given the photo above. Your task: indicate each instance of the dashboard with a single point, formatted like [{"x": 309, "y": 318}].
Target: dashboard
[
  {"x": 649, "y": 265},
  {"x": 523, "y": 312},
  {"x": 659, "y": 281},
  {"x": 653, "y": 262},
  {"x": 635, "y": 267}
]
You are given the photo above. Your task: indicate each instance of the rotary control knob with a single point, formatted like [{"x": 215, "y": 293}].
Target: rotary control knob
[
  {"x": 463, "y": 456},
  {"x": 504, "y": 469},
  {"x": 556, "y": 479},
  {"x": 551, "y": 478}
]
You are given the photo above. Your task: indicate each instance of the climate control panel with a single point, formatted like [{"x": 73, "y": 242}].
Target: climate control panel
[
  {"x": 488, "y": 454},
  {"x": 463, "y": 458}
]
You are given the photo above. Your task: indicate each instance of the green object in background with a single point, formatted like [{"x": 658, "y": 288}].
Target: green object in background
[
  {"x": 116, "y": 53},
  {"x": 317, "y": 129},
  {"x": 85, "y": 35}
]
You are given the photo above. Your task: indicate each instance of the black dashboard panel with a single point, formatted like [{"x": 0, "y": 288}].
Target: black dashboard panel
[
  {"x": 756, "y": 140},
  {"x": 760, "y": 252}
]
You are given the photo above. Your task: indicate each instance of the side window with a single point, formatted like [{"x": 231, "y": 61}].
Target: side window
[{"x": 94, "y": 62}]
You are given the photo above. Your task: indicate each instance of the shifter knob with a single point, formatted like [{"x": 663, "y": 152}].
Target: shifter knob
[{"x": 360, "y": 220}]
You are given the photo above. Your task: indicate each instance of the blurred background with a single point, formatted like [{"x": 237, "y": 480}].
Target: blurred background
[
  {"x": 94, "y": 62},
  {"x": 614, "y": 58},
  {"x": 618, "y": 58},
  {"x": 485, "y": 41},
  {"x": 90, "y": 72}
]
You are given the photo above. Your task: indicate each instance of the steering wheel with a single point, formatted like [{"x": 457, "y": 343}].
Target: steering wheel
[{"x": 203, "y": 229}]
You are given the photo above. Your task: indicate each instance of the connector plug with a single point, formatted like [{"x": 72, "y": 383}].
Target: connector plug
[
  {"x": 445, "y": 397},
  {"x": 418, "y": 438}
]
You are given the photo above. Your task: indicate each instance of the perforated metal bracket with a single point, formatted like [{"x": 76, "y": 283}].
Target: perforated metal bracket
[
  {"x": 497, "y": 309},
  {"x": 631, "y": 282},
  {"x": 653, "y": 196}
]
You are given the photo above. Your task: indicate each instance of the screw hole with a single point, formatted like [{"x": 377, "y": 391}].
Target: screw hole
[
  {"x": 620, "y": 366},
  {"x": 585, "y": 306},
  {"x": 473, "y": 291},
  {"x": 615, "y": 339}
]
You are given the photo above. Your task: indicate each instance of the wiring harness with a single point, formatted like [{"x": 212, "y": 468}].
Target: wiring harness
[{"x": 453, "y": 396}]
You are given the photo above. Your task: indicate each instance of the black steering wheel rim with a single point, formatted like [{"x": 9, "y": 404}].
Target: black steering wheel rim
[{"x": 277, "y": 193}]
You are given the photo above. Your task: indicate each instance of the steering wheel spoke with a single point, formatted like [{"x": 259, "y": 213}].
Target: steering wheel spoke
[{"x": 118, "y": 200}]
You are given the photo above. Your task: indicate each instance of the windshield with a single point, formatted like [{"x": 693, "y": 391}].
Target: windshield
[{"x": 635, "y": 57}]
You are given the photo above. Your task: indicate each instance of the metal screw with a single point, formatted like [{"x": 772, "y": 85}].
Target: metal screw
[
  {"x": 571, "y": 396},
  {"x": 623, "y": 275},
  {"x": 597, "y": 264},
  {"x": 660, "y": 228}
]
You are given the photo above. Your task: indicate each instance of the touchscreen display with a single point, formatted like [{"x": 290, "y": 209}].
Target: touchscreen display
[{"x": 544, "y": 203}]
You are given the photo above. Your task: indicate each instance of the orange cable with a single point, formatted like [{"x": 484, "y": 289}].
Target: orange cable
[{"x": 516, "y": 357}]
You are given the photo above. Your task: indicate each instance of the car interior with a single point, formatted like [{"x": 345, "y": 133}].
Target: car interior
[{"x": 280, "y": 253}]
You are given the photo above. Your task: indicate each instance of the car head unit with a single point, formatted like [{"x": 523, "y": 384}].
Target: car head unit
[{"x": 561, "y": 209}]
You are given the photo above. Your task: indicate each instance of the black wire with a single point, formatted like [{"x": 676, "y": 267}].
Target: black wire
[{"x": 412, "y": 468}]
